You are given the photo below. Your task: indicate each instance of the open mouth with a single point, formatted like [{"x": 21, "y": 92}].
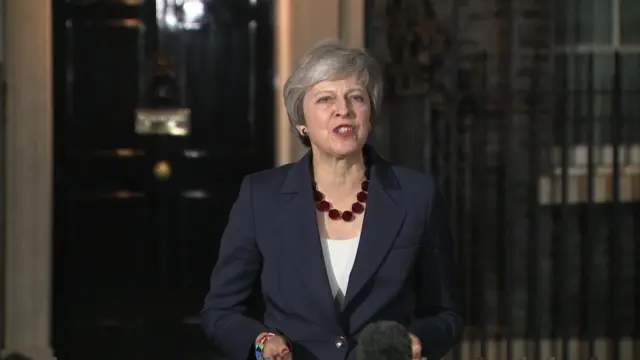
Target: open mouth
[{"x": 344, "y": 129}]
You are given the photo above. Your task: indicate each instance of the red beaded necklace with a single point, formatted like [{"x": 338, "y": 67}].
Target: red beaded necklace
[{"x": 335, "y": 214}]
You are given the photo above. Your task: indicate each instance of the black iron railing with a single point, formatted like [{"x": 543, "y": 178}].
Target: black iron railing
[
  {"x": 545, "y": 197},
  {"x": 529, "y": 114}
]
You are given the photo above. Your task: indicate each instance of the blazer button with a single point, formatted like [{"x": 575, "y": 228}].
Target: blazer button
[{"x": 341, "y": 342}]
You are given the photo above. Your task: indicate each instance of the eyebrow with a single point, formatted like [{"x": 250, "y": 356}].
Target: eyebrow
[{"x": 351, "y": 90}]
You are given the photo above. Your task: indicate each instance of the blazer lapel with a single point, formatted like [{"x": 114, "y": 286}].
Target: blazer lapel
[
  {"x": 382, "y": 222},
  {"x": 302, "y": 242}
]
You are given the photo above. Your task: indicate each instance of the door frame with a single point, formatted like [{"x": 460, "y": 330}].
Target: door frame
[
  {"x": 3, "y": 172},
  {"x": 28, "y": 161},
  {"x": 28, "y": 140}
]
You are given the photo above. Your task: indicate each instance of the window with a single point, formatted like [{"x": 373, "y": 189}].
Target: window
[
  {"x": 597, "y": 90},
  {"x": 597, "y": 68},
  {"x": 597, "y": 23},
  {"x": 177, "y": 14}
]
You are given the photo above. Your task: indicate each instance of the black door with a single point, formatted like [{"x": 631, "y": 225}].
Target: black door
[{"x": 138, "y": 216}]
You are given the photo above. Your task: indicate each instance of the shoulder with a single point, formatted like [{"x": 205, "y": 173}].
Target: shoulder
[
  {"x": 422, "y": 196},
  {"x": 270, "y": 179},
  {"x": 414, "y": 182},
  {"x": 419, "y": 192},
  {"x": 411, "y": 182}
]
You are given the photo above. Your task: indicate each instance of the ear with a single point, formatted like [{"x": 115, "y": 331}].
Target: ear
[{"x": 302, "y": 130}]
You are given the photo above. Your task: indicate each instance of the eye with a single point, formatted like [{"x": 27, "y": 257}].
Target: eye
[
  {"x": 358, "y": 98},
  {"x": 324, "y": 99}
]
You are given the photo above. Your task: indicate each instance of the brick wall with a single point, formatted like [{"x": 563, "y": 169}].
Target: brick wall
[{"x": 471, "y": 98}]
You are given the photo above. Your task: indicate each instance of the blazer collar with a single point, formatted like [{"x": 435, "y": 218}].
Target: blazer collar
[
  {"x": 381, "y": 172},
  {"x": 383, "y": 219}
]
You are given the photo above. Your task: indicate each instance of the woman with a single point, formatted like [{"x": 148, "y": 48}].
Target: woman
[{"x": 337, "y": 240}]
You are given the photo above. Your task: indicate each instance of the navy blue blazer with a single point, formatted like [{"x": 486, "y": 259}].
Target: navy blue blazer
[{"x": 404, "y": 267}]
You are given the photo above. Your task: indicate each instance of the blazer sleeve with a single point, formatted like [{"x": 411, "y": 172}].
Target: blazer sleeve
[
  {"x": 234, "y": 277},
  {"x": 439, "y": 323}
]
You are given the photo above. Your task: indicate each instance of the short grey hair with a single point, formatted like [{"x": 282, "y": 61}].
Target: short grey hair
[{"x": 331, "y": 60}]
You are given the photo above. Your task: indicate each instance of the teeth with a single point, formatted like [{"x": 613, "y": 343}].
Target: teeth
[{"x": 344, "y": 129}]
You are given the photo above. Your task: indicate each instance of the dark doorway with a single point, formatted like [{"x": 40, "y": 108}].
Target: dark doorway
[{"x": 138, "y": 217}]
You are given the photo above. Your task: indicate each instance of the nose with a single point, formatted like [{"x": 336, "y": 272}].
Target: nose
[{"x": 343, "y": 108}]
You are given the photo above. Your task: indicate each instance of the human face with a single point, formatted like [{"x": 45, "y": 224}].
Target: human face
[{"x": 337, "y": 117}]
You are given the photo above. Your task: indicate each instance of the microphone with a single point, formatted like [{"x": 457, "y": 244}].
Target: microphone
[{"x": 384, "y": 340}]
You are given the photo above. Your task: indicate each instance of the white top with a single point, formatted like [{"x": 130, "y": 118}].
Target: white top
[{"x": 339, "y": 256}]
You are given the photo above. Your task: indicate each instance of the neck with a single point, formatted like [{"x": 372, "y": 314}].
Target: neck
[{"x": 339, "y": 176}]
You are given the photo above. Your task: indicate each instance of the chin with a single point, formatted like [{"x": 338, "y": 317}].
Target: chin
[{"x": 346, "y": 150}]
